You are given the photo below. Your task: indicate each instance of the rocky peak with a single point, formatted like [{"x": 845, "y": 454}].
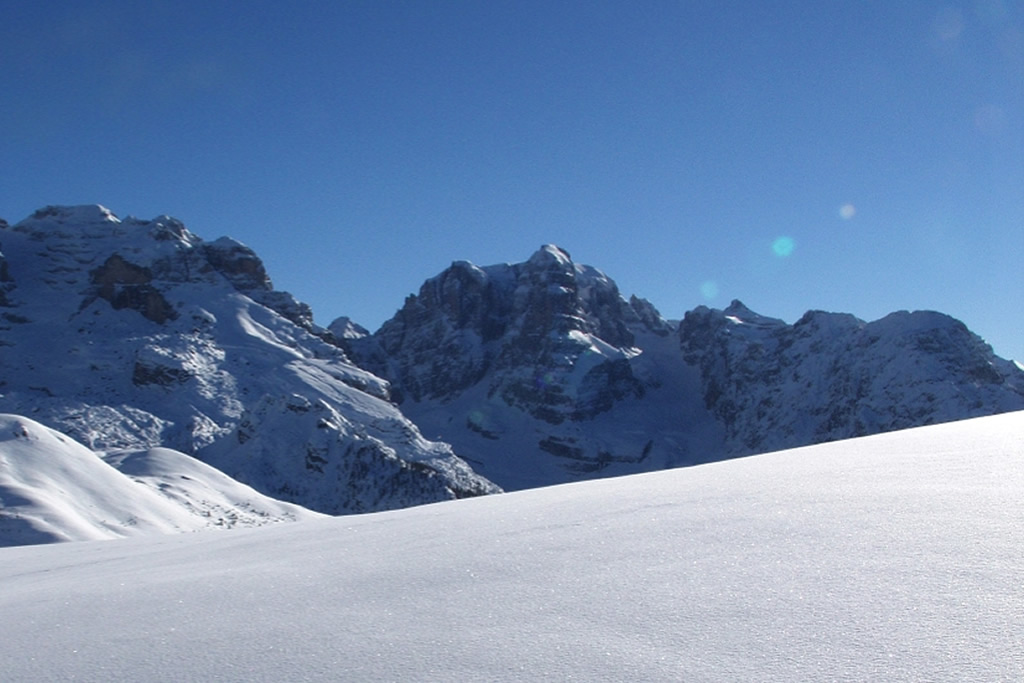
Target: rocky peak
[
  {"x": 467, "y": 297},
  {"x": 648, "y": 317},
  {"x": 162, "y": 252},
  {"x": 167, "y": 228},
  {"x": 77, "y": 216},
  {"x": 238, "y": 264},
  {"x": 550, "y": 257},
  {"x": 345, "y": 328},
  {"x": 832, "y": 376},
  {"x": 471, "y": 324}
]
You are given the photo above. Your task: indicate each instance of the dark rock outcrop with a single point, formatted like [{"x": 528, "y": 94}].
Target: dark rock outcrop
[{"x": 126, "y": 285}]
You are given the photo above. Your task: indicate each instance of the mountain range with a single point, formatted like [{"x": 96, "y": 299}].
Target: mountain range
[
  {"x": 153, "y": 348},
  {"x": 542, "y": 372}
]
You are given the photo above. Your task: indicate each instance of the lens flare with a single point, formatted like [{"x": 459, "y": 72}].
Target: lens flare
[
  {"x": 709, "y": 289},
  {"x": 847, "y": 211},
  {"x": 783, "y": 246}
]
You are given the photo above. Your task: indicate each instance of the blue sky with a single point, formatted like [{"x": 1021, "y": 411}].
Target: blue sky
[{"x": 859, "y": 156}]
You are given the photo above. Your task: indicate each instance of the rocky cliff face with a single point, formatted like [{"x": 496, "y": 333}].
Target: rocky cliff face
[
  {"x": 537, "y": 372},
  {"x": 133, "y": 334},
  {"x": 550, "y": 337},
  {"x": 832, "y": 376},
  {"x": 541, "y": 372}
]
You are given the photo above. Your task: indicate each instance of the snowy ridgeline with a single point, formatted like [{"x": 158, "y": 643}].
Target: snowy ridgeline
[{"x": 892, "y": 557}]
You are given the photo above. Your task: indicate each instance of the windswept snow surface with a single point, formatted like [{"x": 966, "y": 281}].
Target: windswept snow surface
[{"x": 891, "y": 557}]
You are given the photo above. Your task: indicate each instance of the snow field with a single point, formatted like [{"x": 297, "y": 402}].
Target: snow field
[{"x": 891, "y": 557}]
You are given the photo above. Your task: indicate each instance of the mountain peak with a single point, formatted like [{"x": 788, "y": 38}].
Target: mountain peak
[
  {"x": 78, "y": 214},
  {"x": 135, "y": 334},
  {"x": 550, "y": 253},
  {"x": 345, "y": 328},
  {"x": 737, "y": 312}
]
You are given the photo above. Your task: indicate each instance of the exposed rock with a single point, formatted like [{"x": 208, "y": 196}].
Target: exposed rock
[
  {"x": 540, "y": 372},
  {"x": 546, "y": 347},
  {"x": 368, "y": 473},
  {"x": 126, "y": 285},
  {"x": 238, "y": 264},
  {"x": 470, "y": 325}
]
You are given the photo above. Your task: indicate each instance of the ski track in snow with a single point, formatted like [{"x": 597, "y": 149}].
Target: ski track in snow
[{"x": 892, "y": 557}]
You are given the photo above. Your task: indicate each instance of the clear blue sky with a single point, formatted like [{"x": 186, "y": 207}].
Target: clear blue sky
[{"x": 860, "y": 156}]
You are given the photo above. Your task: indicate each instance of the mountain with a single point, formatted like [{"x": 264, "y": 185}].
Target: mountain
[
  {"x": 130, "y": 336},
  {"x": 54, "y": 489},
  {"x": 133, "y": 334},
  {"x": 890, "y": 557},
  {"x": 831, "y": 376},
  {"x": 542, "y": 372}
]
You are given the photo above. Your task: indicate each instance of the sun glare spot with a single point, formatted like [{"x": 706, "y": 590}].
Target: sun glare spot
[
  {"x": 847, "y": 211},
  {"x": 783, "y": 246},
  {"x": 709, "y": 289}
]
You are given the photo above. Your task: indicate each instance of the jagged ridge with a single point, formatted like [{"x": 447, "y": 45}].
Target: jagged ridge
[
  {"x": 521, "y": 366},
  {"x": 833, "y": 376}
]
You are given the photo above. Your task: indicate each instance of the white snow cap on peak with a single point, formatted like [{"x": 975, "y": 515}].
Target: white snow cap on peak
[
  {"x": 471, "y": 269},
  {"x": 737, "y": 312},
  {"x": 345, "y": 328},
  {"x": 551, "y": 252},
  {"x": 916, "y": 321},
  {"x": 83, "y": 213}
]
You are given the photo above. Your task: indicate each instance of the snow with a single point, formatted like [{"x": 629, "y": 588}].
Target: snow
[
  {"x": 83, "y": 214},
  {"x": 55, "y": 489},
  {"x": 551, "y": 254},
  {"x": 892, "y": 557}
]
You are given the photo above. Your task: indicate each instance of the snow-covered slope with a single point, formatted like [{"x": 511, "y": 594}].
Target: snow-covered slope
[
  {"x": 54, "y": 489},
  {"x": 891, "y": 557},
  {"x": 132, "y": 334},
  {"x": 542, "y": 372}
]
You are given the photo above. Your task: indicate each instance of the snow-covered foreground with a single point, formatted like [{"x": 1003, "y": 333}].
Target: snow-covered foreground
[{"x": 893, "y": 557}]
